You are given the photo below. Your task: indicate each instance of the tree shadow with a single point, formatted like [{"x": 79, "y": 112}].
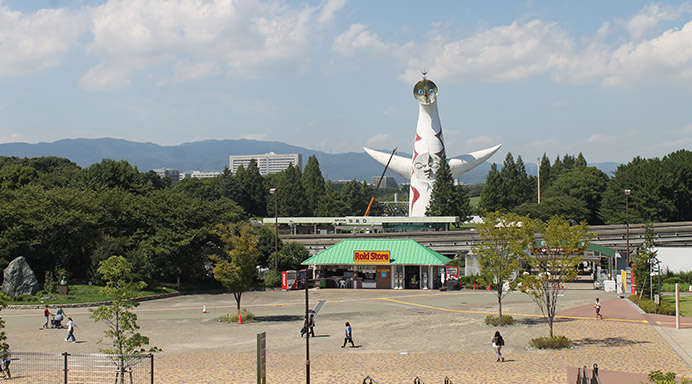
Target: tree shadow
[
  {"x": 608, "y": 342},
  {"x": 279, "y": 318}
]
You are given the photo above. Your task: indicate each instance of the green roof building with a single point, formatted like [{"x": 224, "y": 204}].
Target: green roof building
[{"x": 374, "y": 263}]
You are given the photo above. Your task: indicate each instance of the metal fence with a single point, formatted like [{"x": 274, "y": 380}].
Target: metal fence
[
  {"x": 81, "y": 368},
  {"x": 416, "y": 380}
]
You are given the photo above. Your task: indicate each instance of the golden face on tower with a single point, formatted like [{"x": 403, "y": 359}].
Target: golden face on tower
[{"x": 425, "y": 91}]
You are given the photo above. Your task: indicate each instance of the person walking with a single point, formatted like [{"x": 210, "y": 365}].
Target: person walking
[
  {"x": 70, "y": 330},
  {"x": 598, "y": 309},
  {"x": 349, "y": 336},
  {"x": 498, "y": 343},
  {"x": 46, "y": 314},
  {"x": 5, "y": 360},
  {"x": 311, "y": 325}
]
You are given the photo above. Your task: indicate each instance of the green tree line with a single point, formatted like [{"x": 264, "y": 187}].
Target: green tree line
[
  {"x": 60, "y": 216},
  {"x": 661, "y": 189}
]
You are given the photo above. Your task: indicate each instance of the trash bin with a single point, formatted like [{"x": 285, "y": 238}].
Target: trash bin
[
  {"x": 452, "y": 285},
  {"x": 323, "y": 283}
]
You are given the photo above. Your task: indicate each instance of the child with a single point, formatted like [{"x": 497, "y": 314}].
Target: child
[{"x": 598, "y": 309}]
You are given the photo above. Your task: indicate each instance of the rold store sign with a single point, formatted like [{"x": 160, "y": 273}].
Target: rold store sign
[{"x": 371, "y": 257}]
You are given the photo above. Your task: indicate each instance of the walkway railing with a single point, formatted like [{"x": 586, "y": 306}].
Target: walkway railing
[
  {"x": 416, "y": 380},
  {"x": 583, "y": 375},
  {"x": 78, "y": 368}
]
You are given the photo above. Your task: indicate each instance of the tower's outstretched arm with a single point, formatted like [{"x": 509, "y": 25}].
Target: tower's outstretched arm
[
  {"x": 399, "y": 165},
  {"x": 466, "y": 162}
]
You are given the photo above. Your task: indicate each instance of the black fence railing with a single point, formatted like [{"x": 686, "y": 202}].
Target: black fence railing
[
  {"x": 583, "y": 375},
  {"x": 78, "y": 368},
  {"x": 416, "y": 380}
]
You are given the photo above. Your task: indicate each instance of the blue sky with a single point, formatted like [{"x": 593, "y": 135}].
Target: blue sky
[{"x": 612, "y": 80}]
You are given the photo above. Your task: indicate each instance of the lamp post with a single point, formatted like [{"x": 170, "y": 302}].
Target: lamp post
[
  {"x": 628, "y": 192},
  {"x": 539, "y": 180},
  {"x": 273, "y": 191}
]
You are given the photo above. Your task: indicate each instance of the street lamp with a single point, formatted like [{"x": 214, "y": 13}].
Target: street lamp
[
  {"x": 628, "y": 192},
  {"x": 273, "y": 191}
]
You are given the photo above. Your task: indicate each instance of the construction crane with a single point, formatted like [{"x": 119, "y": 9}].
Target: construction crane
[{"x": 372, "y": 199}]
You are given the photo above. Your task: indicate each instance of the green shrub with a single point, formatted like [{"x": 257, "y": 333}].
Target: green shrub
[
  {"x": 684, "y": 287},
  {"x": 272, "y": 278},
  {"x": 26, "y": 299},
  {"x": 555, "y": 342},
  {"x": 233, "y": 317},
  {"x": 672, "y": 280},
  {"x": 658, "y": 377},
  {"x": 649, "y": 306},
  {"x": 499, "y": 321}
]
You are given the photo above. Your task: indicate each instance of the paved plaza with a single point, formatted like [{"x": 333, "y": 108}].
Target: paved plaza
[{"x": 398, "y": 334}]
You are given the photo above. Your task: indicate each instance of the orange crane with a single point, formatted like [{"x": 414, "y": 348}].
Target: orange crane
[{"x": 372, "y": 199}]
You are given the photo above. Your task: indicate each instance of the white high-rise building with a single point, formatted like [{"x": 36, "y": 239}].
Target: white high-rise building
[{"x": 267, "y": 163}]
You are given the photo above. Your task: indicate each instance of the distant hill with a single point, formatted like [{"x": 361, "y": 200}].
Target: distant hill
[{"x": 212, "y": 155}]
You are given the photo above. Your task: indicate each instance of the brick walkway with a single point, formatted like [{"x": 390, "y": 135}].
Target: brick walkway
[{"x": 400, "y": 335}]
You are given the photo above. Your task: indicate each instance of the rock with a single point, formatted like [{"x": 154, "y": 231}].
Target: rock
[{"x": 19, "y": 279}]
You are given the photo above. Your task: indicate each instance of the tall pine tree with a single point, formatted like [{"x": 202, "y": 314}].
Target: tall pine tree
[
  {"x": 313, "y": 182},
  {"x": 446, "y": 199}
]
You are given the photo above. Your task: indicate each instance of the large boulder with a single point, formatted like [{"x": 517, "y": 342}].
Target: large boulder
[{"x": 19, "y": 279}]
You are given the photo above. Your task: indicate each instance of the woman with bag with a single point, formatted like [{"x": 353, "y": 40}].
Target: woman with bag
[{"x": 498, "y": 343}]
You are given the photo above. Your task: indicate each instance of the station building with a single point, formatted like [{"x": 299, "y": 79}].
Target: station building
[{"x": 378, "y": 263}]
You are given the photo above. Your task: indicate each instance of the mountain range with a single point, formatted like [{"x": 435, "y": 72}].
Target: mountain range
[{"x": 212, "y": 155}]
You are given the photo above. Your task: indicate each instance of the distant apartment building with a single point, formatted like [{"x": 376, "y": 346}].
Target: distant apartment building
[
  {"x": 267, "y": 163},
  {"x": 387, "y": 182},
  {"x": 172, "y": 174},
  {"x": 201, "y": 175}
]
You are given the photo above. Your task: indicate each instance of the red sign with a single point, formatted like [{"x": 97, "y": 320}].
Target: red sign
[{"x": 371, "y": 257}]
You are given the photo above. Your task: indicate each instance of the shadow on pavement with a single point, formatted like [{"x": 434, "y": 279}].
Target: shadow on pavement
[
  {"x": 279, "y": 318},
  {"x": 608, "y": 342}
]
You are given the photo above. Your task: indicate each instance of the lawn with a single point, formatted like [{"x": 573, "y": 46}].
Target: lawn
[
  {"x": 79, "y": 294},
  {"x": 685, "y": 304}
]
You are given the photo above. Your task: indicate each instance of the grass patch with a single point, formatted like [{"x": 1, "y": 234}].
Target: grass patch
[
  {"x": 659, "y": 377},
  {"x": 685, "y": 304},
  {"x": 649, "y": 306},
  {"x": 233, "y": 317},
  {"x": 78, "y": 294},
  {"x": 555, "y": 342},
  {"x": 499, "y": 321}
]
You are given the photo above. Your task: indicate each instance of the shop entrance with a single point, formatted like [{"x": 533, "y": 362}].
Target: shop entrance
[
  {"x": 412, "y": 277},
  {"x": 383, "y": 277}
]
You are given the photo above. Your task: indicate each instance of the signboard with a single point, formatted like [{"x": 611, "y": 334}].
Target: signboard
[
  {"x": 371, "y": 257},
  {"x": 262, "y": 358},
  {"x": 452, "y": 272}
]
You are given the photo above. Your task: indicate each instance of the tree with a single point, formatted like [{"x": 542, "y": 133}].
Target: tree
[
  {"x": 291, "y": 193},
  {"x": 447, "y": 199},
  {"x": 253, "y": 184},
  {"x": 503, "y": 239},
  {"x": 236, "y": 267},
  {"x": 554, "y": 264},
  {"x": 127, "y": 344},
  {"x": 355, "y": 198},
  {"x": 491, "y": 195},
  {"x": 585, "y": 184},
  {"x": 330, "y": 204},
  {"x": 291, "y": 255},
  {"x": 644, "y": 259},
  {"x": 313, "y": 182}
]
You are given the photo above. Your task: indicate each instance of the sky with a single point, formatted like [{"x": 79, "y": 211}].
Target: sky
[{"x": 612, "y": 80}]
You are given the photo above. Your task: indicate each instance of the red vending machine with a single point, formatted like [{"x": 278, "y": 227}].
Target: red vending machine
[{"x": 289, "y": 280}]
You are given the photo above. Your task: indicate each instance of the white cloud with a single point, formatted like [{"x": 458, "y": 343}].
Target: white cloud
[
  {"x": 358, "y": 38},
  {"x": 255, "y": 136},
  {"x": 600, "y": 138},
  {"x": 651, "y": 16},
  {"x": 379, "y": 138},
  {"x": 560, "y": 103},
  {"x": 388, "y": 111},
  {"x": 482, "y": 140},
  {"x": 199, "y": 39},
  {"x": 686, "y": 130},
  {"x": 14, "y": 137},
  {"x": 32, "y": 42}
]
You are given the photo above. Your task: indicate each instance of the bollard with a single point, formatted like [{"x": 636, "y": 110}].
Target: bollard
[{"x": 240, "y": 319}]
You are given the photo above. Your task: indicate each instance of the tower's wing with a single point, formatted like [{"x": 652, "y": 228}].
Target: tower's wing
[
  {"x": 464, "y": 163},
  {"x": 399, "y": 165}
]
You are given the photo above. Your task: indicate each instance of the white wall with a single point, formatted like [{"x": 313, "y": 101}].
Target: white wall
[{"x": 675, "y": 259}]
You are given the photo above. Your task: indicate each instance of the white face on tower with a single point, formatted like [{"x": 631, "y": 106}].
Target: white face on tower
[{"x": 425, "y": 91}]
